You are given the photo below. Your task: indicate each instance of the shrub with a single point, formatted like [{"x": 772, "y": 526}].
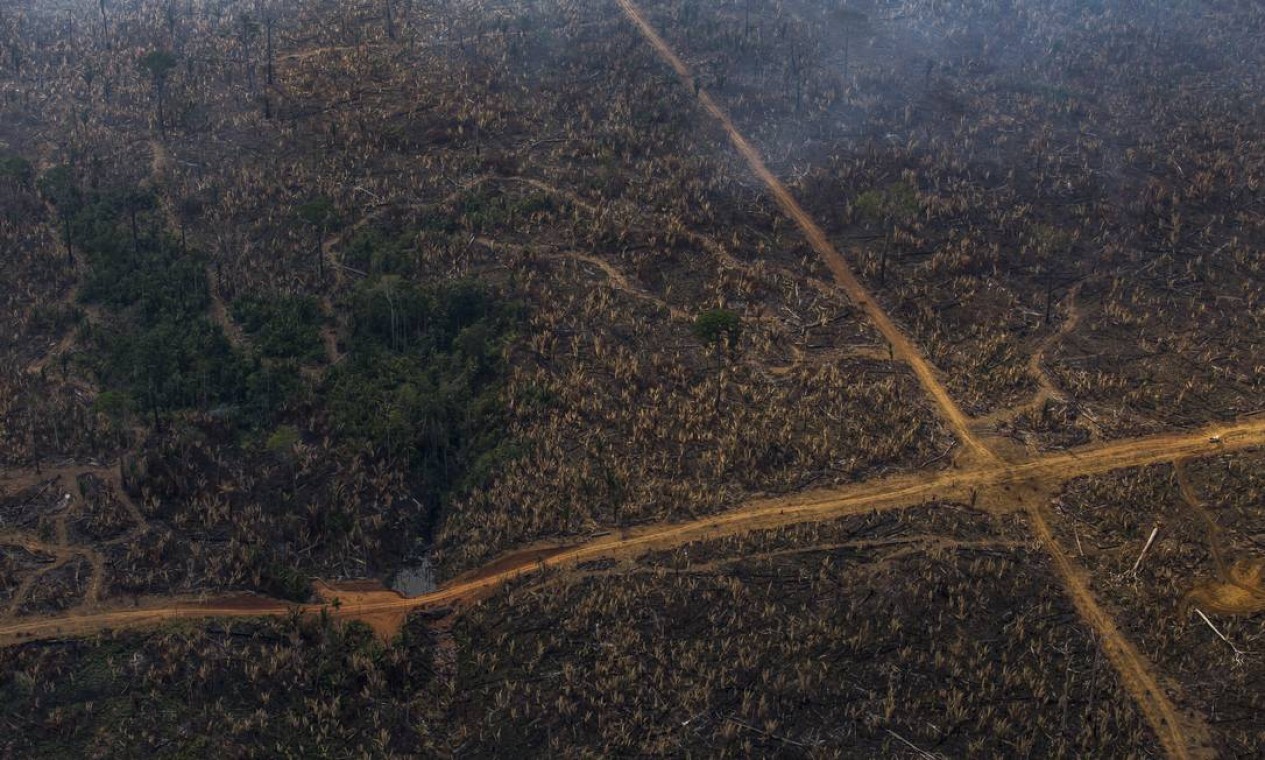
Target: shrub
[
  {"x": 16, "y": 168},
  {"x": 283, "y": 439},
  {"x": 718, "y": 327}
]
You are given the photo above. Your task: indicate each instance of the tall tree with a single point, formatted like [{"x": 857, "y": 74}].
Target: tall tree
[
  {"x": 171, "y": 14},
  {"x": 159, "y": 64},
  {"x": 1048, "y": 246},
  {"x": 248, "y": 30},
  {"x": 850, "y": 21},
  {"x": 321, "y": 215},
  {"x": 134, "y": 203},
  {"x": 59, "y": 187},
  {"x": 888, "y": 207}
]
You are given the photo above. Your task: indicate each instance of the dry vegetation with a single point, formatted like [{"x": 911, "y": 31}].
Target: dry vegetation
[
  {"x": 937, "y": 629},
  {"x": 277, "y": 689},
  {"x": 527, "y": 153},
  {"x": 1047, "y": 158},
  {"x": 305, "y": 288},
  {"x": 866, "y": 637},
  {"x": 1215, "y": 543}
]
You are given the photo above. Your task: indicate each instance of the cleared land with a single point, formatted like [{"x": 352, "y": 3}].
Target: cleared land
[{"x": 654, "y": 512}]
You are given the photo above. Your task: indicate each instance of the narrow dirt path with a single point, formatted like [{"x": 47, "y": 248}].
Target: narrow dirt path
[
  {"x": 160, "y": 165},
  {"x": 567, "y": 195},
  {"x": 624, "y": 284},
  {"x": 1046, "y": 388},
  {"x": 61, "y": 347},
  {"x": 1212, "y": 530},
  {"x": 1181, "y": 738},
  {"x": 330, "y": 331},
  {"x": 69, "y": 300},
  {"x": 219, "y": 314},
  {"x": 32, "y": 546},
  {"x": 129, "y": 504},
  {"x": 1239, "y": 588},
  {"x": 617, "y": 279},
  {"x": 329, "y": 337},
  {"x": 902, "y": 347},
  {"x": 62, "y": 553},
  {"x": 62, "y": 550}
]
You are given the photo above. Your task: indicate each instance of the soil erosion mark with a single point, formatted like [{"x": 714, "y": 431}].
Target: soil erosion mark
[{"x": 1238, "y": 589}]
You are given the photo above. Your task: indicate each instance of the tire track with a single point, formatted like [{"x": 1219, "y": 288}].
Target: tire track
[
  {"x": 1239, "y": 588},
  {"x": 1212, "y": 530}
]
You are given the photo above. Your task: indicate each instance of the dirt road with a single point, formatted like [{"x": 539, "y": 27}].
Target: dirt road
[
  {"x": 385, "y": 611},
  {"x": 1006, "y": 483},
  {"x": 878, "y": 495}
]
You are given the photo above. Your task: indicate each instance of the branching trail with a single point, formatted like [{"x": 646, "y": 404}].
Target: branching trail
[
  {"x": 1046, "y": 388},
  {"x": 329, "y": 246},
  {"x": 902, "y": 347},
  {"x": 62, "y": 550},
  {"x": 982, "y": 470},
  {"x": 33, "y": 545},
  {"x": 617, "y": 279}
]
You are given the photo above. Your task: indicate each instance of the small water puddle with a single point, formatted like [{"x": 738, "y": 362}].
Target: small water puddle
[{"x": 415, "y": 580}]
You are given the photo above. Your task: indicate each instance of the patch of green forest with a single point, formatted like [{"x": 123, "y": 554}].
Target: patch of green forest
[{"x": 418, "y": 392}]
